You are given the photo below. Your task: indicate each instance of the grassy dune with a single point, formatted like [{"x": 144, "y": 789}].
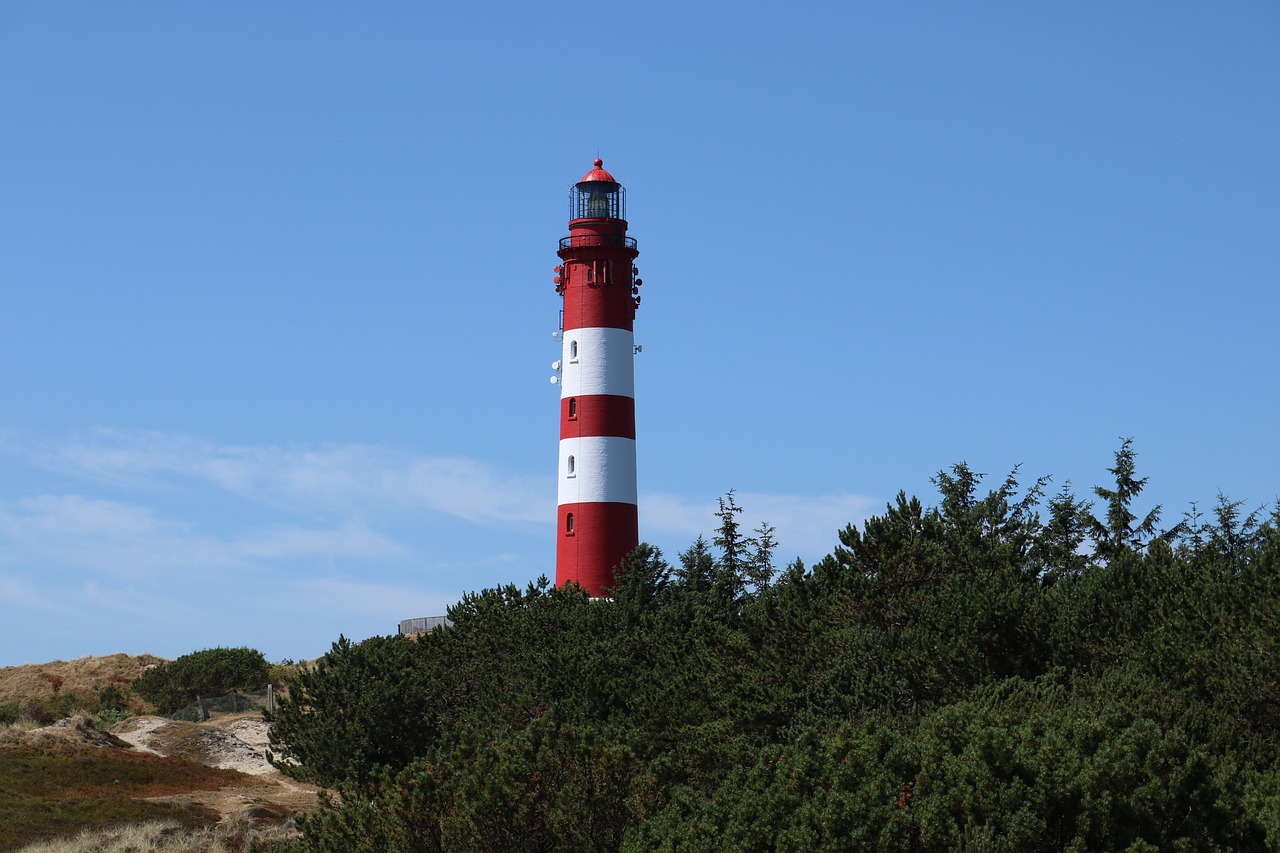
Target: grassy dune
[{"x": 61, "y": 790}]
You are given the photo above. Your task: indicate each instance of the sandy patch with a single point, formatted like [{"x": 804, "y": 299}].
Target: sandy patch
[
  {"x": 137, "y": 732},
  {"x": 238, "y": 743}
]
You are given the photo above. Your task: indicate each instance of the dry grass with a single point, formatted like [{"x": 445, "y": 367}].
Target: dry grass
[
  {"x": 15, "y": 732},
  {"x": 76, "y": 730},
  {"x": 231, "y": 836},
  {"x": 82, "y": 678},
  {"x": 151, "y": 837}
]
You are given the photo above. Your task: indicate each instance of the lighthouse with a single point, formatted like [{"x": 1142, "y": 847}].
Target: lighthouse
[{"x": 598, "y": 281}]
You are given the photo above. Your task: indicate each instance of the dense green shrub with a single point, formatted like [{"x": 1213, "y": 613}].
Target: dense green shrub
[
  {"x": 110, "y": 698},
  {"x": 9, "y": 713},
  {"x": 961, "y": 677},
  {"x": 211, "y": 672},
  {"x": 335, "y": 727},
  {"x": 847, "y": 791},
  {"x": 548, "y": 786}
]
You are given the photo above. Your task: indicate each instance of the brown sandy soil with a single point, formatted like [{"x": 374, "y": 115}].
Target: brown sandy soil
[{"x": 233, "y": 742}]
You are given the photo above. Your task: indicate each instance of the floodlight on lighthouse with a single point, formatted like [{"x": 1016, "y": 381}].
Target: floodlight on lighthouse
[
  {"x": 555, "y": 380},
  {"x": 555, "y": 365}
]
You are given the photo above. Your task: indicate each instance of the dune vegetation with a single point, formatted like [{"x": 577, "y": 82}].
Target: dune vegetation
[{"x": 1011, "y": 669}]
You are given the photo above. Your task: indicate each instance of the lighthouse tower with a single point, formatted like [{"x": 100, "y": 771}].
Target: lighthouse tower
[{"x": 597, "y": 475}]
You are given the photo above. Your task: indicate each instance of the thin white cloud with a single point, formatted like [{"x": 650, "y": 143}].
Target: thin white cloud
[
  {"x": 313, "y": 508},
  {"x": 128, "y": 540},
  {"x": 349, "y": 540},
  {"x": 334, "y": 477},
  {"x": 147, "y": 533},
  {"x": 143, "y": 604},
  {"x": 76, "y": 515},
  {"x": 101, "y": 535},
  {"x": 21, "y": 593},
  {"x": 369, "y": 599}
]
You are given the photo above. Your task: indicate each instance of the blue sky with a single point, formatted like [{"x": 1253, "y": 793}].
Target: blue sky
[{"x": 277, "y": 302}]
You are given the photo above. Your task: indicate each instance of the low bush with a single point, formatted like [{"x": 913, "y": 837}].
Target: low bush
[
  {"x": 211, "y": 672},
  {"x": 107, "y": 719},
  {"x": 110, "y": 698},
  {"x": 280, "y": 673},
  {"x": 49, "y": 709}
]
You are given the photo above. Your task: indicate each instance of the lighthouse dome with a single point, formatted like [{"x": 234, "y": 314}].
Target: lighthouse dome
[
  {"x": 597, "y": 196},
  {"x": 598, "y": 173}
]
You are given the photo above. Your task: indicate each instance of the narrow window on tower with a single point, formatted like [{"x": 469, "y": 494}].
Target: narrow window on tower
[
  {"x": 568, "y": 524},
  {"x": 573, "y": 408},
  {"x": 591, "y": 275},
  {"x": 573, "y": 350},
  {"x": 570, "y": 468}
]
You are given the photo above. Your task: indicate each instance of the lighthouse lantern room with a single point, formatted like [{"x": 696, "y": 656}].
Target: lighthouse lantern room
[{"x": 599, "y": 284}]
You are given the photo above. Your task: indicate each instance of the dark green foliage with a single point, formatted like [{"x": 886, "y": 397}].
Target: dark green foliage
[
  {"x": 1046, "y": 770},
  {"x": 211, "y": 672},
  {"x": 362, "y": 707},
  {"x": 548, "y": 786},
  {"x": 1118, "y": 533},
  {"x": 847, "y": 791},
  {"x": 9, "y": 713},
  {"x": 110, "y": 699},
  {"x": 969, "y": 676},
  {"x": 1029, "y": 764},
  {"x": 1056, "y": 552}
]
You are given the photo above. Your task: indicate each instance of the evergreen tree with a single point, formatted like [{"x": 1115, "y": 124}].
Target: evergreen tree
[
  {"x": 1058, "y": 550},
  {"x": 1118, "y": 532},
  {"x": 959, "y": 676}
]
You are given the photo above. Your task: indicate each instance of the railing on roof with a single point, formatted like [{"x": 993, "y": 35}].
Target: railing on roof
[{"x": 596, "y": 240}]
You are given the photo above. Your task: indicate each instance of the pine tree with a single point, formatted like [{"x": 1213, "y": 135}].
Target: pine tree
[
  {"x": 1058, "y": 547},
  {"x": 1118, "y": 532}
]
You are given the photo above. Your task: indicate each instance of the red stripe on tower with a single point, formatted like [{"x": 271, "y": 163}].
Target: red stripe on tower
[
  {"x": 598, "y": 414},
  {"x": 597, "y": 478}
]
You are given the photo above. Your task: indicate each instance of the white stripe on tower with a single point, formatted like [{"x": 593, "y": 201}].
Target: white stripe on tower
[
  {"x": 598, "y": 361},
  {"x": 597, "y": 469}
]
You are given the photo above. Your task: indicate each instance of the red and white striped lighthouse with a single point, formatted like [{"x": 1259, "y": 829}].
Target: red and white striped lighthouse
[{"x": 597, "y": 476}]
